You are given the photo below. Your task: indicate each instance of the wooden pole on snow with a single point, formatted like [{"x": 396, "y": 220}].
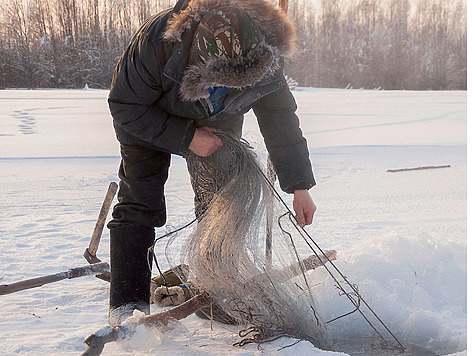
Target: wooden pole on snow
[
  {"x": 416, "y": 168},
  {"x": 89, "y": 270}
]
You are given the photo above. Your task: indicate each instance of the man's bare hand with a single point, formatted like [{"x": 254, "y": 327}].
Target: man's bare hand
[
  {"x": 304, "y": 207},
  {"x": 205, "y": 142}
]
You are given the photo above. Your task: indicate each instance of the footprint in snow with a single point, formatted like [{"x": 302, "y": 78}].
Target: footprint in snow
[{"x": 27, "y": 122}]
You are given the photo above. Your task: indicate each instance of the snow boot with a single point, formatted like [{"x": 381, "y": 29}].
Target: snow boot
[{"x": 130, "y": 271}]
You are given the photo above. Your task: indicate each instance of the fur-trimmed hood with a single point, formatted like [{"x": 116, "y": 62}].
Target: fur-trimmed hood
[{"x": 279, "y": 41}]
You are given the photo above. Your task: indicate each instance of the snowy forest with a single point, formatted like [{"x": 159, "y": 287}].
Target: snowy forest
[{"x": 387, "y": 44}]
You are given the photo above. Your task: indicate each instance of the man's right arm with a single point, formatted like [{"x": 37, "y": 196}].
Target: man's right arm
[{"x": 135, "y": 90}]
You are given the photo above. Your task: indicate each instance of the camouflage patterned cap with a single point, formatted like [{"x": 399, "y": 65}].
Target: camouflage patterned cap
[{"x": 226, "y": 32}]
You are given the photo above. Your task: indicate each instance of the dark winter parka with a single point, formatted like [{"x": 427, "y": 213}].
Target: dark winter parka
[{"x": 157, "y": 99}]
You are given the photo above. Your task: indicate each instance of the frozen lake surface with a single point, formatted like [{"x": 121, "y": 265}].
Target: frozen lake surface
[{"x": 401, "y": 237}]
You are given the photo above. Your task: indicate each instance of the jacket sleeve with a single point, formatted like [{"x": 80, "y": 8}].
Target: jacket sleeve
[
  {"x": 287, "y": 147},
  {"x": 135, "y": 90}
]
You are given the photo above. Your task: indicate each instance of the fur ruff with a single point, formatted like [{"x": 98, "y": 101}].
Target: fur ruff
[
  {"x": 279, "y": 40},
  {"x": 238, "y": 72}
]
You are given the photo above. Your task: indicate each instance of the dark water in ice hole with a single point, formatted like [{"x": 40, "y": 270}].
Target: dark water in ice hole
[{"x": 372, "y": 346}]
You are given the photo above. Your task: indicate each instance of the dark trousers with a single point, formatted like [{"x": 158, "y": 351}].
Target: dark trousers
[{"x": 143, "y": 173}]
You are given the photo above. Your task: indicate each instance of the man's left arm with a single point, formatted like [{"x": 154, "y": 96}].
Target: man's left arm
[{"x": 287, "y": 148}]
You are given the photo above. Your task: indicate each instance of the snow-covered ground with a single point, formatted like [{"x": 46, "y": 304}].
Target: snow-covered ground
[{"x": 401, "y": 237}]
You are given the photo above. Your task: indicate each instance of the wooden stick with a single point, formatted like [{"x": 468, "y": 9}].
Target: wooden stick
[
  {"x": 89, "y": 270},
  {"x": 91, "y": 251},
  {"x": 284, "y": 5},
  {"x": 269, "y": 215},
  {"x": 281, "y": 275},
  {"x": 312, "y": 262},
  {"x": 177, "y": 313},
  {"x": 417, "y": 168},
  {"x": 96, "y": 342}
]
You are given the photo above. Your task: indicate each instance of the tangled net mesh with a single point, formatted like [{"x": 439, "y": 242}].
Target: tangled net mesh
[{"x": 226, "y": 251}]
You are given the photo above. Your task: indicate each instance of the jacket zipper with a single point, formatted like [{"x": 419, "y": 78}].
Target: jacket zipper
[{"x": 233, "y": 99}]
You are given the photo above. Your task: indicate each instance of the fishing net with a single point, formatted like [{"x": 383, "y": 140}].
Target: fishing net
[{"x": 266, "y": 291}]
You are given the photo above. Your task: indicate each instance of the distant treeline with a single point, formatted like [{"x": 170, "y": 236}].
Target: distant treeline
[
  {"x": 382, "y": 43},
  {"x": 391, "y": 44}
]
